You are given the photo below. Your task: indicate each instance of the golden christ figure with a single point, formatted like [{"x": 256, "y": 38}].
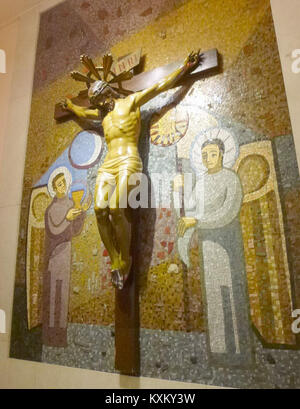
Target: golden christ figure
[{"x": 121, "y": 122}]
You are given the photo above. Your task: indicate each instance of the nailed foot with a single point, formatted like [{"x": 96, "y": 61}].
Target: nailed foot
[
  {"x": 118, "y": 280},
  {"x": 119, "y": 277}
]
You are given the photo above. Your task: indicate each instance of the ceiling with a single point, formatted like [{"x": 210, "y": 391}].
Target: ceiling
[{"x": 10, "y": 9}]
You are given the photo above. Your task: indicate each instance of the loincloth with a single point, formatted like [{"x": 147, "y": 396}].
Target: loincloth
[{"x": 128, "y": 164}]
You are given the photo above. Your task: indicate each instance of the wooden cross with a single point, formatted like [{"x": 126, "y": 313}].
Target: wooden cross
[
  {"x": 208, "y": 66},
  {"x": 127, "y": 356}
]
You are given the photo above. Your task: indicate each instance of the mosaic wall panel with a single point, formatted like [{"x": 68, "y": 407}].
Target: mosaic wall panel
[{"x": 216, "y": 304}]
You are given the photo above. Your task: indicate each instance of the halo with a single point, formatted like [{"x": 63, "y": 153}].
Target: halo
[
  {"x": 230, "y": 143},
  {"x": 68, "y": 177},
  {"x": 39, "y": 205}
]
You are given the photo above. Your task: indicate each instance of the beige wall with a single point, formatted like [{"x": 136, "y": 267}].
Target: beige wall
[
  {"x": 18, "y": 39},
  {"x": 286, "y": 16},
  {"x": 12, "y": 8}
]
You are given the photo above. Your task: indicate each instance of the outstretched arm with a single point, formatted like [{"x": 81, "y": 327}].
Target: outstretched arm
[
  {"x": 79, "y": 111},
  {"x": 168, "y": 82}
]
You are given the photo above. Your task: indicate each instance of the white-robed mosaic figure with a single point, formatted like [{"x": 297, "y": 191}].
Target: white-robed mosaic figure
[{"x": 213, "y": 209}]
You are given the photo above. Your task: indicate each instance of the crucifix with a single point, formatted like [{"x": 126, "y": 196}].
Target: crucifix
[{"x": 114, "y": 96}]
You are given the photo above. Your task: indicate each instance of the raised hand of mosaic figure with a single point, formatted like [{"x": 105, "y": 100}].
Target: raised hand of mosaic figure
[
  {"x": 184, "y": 224},
  {"x": 121, "y": 122},
  {"x": 73, "y": 214}
]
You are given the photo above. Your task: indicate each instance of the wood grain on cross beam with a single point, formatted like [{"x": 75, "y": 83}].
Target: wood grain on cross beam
[
  {"x": 209, "y": 64},
  {"x": 209, "y": 61}
]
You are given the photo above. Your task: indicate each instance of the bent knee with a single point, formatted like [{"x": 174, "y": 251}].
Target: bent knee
[
  {"x": 116, "y": 213},
  {"x": 102, "y": 214}
]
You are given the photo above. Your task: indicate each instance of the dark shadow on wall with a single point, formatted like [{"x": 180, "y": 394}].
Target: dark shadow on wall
[{"x": 25, "y": 344}]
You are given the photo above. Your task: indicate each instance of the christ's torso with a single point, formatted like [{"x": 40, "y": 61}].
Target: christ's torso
[{"x": 122, "y": 128}]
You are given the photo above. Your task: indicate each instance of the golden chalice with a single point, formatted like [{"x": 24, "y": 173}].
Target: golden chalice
[{"x": 77, "y": 196}]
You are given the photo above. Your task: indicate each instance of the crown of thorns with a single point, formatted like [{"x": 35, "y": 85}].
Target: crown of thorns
[{"x": 103, "y": 76}]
